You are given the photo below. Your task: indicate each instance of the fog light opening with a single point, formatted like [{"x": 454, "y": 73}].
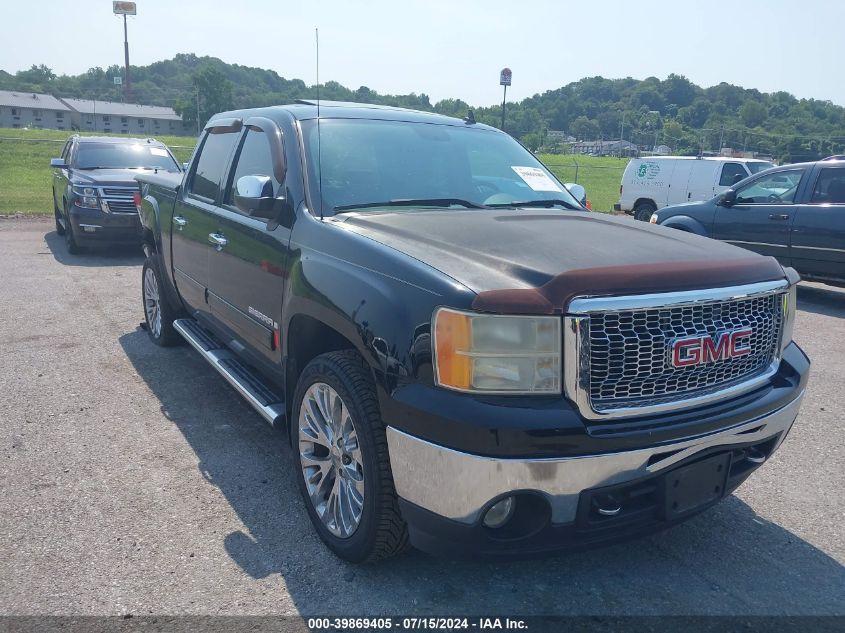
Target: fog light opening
[
  {"x": 607, "y": 505},
  {"x": 499, "y": 513}
]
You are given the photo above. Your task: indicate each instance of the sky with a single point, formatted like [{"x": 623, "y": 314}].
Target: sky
[{"x": 451, "y": 48}]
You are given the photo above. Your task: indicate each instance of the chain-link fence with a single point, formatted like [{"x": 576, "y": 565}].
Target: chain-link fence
[{"x": 600, "y": 176}]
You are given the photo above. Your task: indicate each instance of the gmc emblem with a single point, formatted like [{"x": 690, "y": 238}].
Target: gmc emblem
[{"x": 701, "y": 350}]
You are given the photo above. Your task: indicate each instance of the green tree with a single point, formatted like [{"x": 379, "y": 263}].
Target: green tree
[
  {"x": 584, "y": 129},
  {"x": 679, "y": 90},
  {"x": 753, "y": 113},
  {"x": 39, "y": 74},
  {"x": 695, "y": 115},
  {"x": 215, "y": 92},
  {"x": 532, "y": 141}
]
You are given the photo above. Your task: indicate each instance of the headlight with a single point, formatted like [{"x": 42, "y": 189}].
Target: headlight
[
  {"x": 86, "y": 197},
  {"x": 789, "y": 309},
  {"x": 483, "y": 353}
]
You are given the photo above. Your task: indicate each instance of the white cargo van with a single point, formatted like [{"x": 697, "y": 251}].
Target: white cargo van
[{"x": 649, "y": 184}]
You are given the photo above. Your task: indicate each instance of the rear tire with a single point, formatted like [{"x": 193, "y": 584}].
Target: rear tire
[
  {"x": 340, "y": 448},
  {"x": 643, "y": 211},
  {"x": 159, "y": 313}
]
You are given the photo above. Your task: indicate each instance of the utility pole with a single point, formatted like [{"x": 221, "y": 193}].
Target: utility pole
[
  {"x": 721, "y": 138},
  {"x": 703, "y": 139},
  {"x": 622, "y": 134}
]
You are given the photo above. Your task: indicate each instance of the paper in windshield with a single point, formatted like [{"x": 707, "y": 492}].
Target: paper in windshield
[{"x": 536, "y": 178}]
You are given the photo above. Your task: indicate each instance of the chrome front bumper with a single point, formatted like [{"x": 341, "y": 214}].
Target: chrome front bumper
[{"x": 459, "y": 485}]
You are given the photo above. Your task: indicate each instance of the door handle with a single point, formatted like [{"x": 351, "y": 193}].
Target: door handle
[
  {"x": 179, "y": 221},
  {"x": 778, "y": 216},
  {"x": 218, "y": 240}
]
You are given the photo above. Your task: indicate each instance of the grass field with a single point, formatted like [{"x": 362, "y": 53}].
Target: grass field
[
  {"x": 25, "y": 173},
  {"x": 601, "y": 176},
  {"x": 26, "y": 177}
]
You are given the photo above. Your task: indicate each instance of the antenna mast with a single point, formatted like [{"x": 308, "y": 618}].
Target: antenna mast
[{"x": 319, "y": 144}]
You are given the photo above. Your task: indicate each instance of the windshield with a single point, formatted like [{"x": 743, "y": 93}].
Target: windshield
[
  {"x": 124, "y": 156},
  {"x": 366, "y": 162},
  {"x": 756, "y": 168}
]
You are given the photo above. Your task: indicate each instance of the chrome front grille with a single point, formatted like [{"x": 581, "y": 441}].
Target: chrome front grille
[
  {"x": 119, "y": 199},
  {"x": 118, "y": 192},
  {"x": 122, "y": 206},
  {"x": 624, "y": 350}
]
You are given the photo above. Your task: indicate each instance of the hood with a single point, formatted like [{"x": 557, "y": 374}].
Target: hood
[
  {"x": 529, "y": 249},
  {"x": 112, "y": 177}
]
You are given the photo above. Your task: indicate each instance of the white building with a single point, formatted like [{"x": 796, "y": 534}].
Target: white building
[
  {"x": 27, "y": 109},
  {"x": 124, "y": 118}
]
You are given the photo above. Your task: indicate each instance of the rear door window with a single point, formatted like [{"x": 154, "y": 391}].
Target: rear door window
[
  {"x": 830, "y": 187},
  {"x": 214, "y": 156}
]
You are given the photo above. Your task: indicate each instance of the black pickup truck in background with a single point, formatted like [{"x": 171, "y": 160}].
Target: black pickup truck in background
[
  {"x": 795, "y": 213},
  {"x": 464, "y": 358},
  {"x": 94, "y": 187}
]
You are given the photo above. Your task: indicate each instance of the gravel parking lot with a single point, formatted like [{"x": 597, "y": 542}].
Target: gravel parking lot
[{"x": 134, "y": 481}]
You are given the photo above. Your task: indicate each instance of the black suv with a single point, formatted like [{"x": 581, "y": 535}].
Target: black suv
[{"x": 94, "y": 187}]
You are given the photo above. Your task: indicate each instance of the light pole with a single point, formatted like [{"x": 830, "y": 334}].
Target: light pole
[{"x": 124, "y": 9}]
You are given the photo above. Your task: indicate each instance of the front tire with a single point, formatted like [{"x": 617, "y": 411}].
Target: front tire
[
  {"x": 159, "y": 314},
  {"x": 342, "y": 460},
  {"x": 60, "y": 229},
  {"x": 70, "y": 238}
]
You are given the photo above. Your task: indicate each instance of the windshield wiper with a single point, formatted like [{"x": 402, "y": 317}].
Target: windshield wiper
[
  {"x": 411, "y": 202},
  {"x": 112, "y": 167},
  {"x": 537, "y": 203}
]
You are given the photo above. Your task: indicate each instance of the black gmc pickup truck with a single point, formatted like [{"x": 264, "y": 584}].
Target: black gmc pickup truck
[{"x": 462, "y": 355}]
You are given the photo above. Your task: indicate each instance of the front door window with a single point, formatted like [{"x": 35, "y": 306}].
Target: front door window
[{"x": 775, "y": 188}]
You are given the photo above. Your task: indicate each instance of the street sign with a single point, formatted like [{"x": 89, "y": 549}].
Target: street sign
[
  {"x": 123, "y": 8},
  {"x": 505, "y": 77},
  {"x": 118, "y": 81}
]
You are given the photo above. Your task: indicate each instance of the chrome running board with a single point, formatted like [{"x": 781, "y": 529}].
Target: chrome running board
[{"x": 242, "y": 377}]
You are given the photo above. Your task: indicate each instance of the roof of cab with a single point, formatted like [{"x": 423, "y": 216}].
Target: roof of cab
[
  {"x": 118, "y": 140},
  {"x": 720, "y": 159},
  {"x": 307, "y": 109}
]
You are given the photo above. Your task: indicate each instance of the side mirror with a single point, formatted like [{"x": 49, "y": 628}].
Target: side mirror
[
  {"x": 58, "y": 163},
  {"x": 185, "y": 166},
  {"x": 727, "y": 199},
  {"x": 578, "y": 192},
  {"x": 254, "y": 196}
]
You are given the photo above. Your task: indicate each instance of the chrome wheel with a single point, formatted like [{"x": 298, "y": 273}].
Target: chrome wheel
[
  {"x": 152, "y": 303},
  {"x": 331, "y": 460}
]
